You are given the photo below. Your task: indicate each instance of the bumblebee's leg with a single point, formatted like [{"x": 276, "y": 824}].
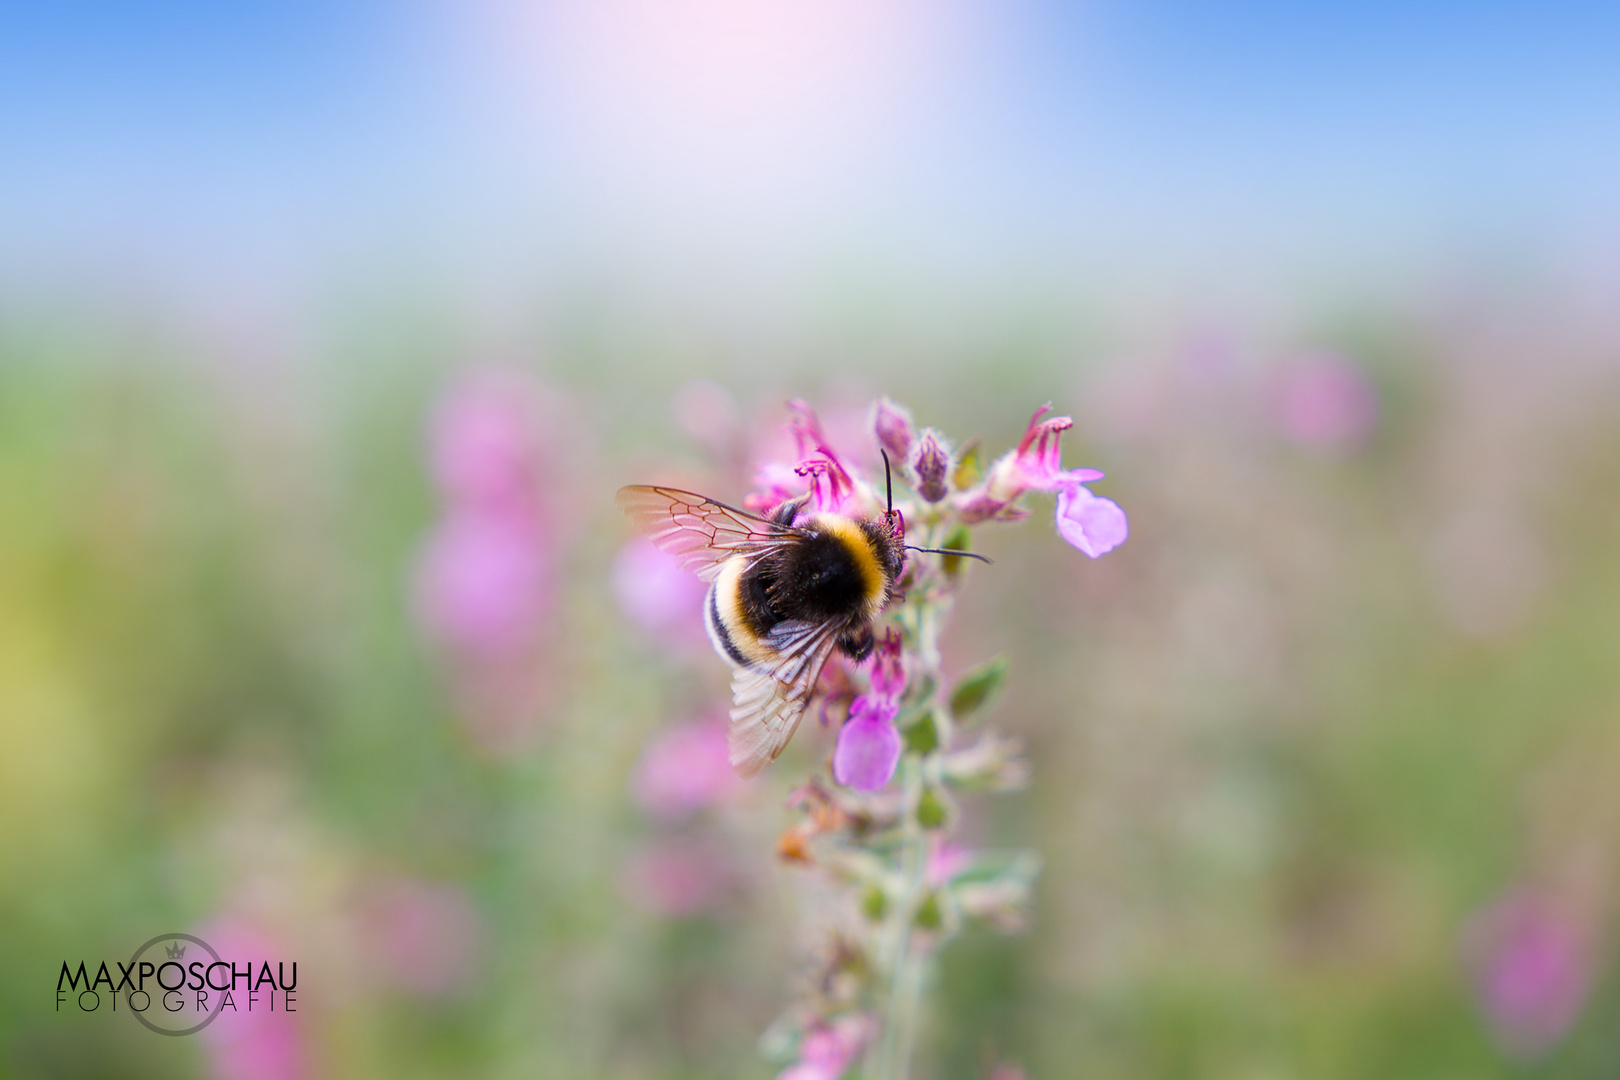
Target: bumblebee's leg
[{"x": 858, "y": 645}]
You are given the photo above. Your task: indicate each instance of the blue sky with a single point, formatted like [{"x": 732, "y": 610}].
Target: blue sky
[{"x": 297, "y": 135}]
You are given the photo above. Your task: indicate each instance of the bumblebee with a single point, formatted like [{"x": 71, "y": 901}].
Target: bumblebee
[{"x": 784, "y": 592}]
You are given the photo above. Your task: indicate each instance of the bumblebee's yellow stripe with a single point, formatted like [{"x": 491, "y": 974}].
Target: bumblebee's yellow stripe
[
  {"x": 734, "y": 624},
  {"x": 860, "y": 549}
]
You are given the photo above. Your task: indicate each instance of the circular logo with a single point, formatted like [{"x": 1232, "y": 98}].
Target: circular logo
[{"x": 171, "y": 1001}]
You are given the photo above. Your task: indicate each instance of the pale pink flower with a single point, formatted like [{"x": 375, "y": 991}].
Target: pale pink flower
[
  {"x": 1532, "y": 969},
  {"x": 655, "y": 592},
  {"x": 483, "y": 583},
  {"x": 685, "y": 769},
  {"x": 677, "y": 877},
  {"x": 425, "y": 936},
  {"x": 1328, "y": 403},
  {"x": 252, "y": 1041},
  {"x": 1091, "y": 523},
  {"x": 826, "y": 1049},
  {"x": 945, "y": 861},
  {"x": 483, "y": 446}
]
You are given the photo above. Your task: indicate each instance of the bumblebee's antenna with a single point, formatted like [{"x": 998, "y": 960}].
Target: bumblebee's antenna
[
  {"x": 949, "y": 551},
  {"x": 888, "y": 481}
]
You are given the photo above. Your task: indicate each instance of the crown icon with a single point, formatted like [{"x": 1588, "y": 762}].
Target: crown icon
[{"x": 175, "y": 951}]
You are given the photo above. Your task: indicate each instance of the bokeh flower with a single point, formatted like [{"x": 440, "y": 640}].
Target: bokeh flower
[
  {"x": 257, "y": 1043},
  {"x": 655, "y": 592},
  {"x": 1327, "y": 403},
  {"x": 676, "y": 877},
  {"x": 426, "y": 936},
  {"x": 826, "y": 1049},
  {"x": 685, "y": 769},
  {"x": 483, "y": 582},
  {"x": 1531, "y": 968}
]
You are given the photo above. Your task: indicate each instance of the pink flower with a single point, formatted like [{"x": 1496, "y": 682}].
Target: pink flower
[
  {"x": 888, "y": 675},
  {"x": 684, "y": 770},
  {"x": 1531, "y": 969},
  {"x": 945, "y": 861},
  {"x": 483, "y": 583},
  {"x": 930, "y": 463},
  {"x": 832, "y": 489},
  {"x": 250, "y": 1040},
  {"x": 826, "y": 1049},
  {"x": 1327, "y": 403},
  {"x": 891, "y": 426},
  {"x": 1032, "y": 466},
  {"x": 677, "y": 877},
  {"x": 425, "y": 936},
  {"x": 654, "y": 591},
  {"x": 1091, "y": 523},
  {"x": 868, "y": 749},
  {"x": 482, "y": 445}
]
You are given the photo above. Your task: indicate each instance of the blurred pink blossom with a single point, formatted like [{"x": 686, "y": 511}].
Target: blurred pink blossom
[
  {"x": 685, "y": 769},
  {"x": 945, "y": 861},
  {"x": 483, "y": 583},
  {"x": 655, "y": 592},
  {"x": 677, "y": 877},
  {"x": 257, "y": 1043},
  {"x": 426, "y": 936},
  {"x": 1532, "y": 969},
  {"x": 1327, "y": 403},
  {"x": 826, "y": 1048},
  {"x": 483, "y": 443}
]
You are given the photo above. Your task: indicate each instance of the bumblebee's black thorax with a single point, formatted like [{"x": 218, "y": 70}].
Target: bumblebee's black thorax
[{"x": 825, "y": 577}]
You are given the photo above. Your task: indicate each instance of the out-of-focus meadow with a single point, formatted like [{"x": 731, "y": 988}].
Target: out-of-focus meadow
[{"x": 320, "y": 632}]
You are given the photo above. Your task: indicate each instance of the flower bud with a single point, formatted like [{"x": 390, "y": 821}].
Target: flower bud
[
  {"x": 931, "y": 462},
  {"x": 891, "y": 424}
]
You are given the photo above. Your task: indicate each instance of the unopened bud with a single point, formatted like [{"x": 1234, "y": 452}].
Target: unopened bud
[
  {"x": 931, "y": 462},
  {"x": 891, "y": 424}
]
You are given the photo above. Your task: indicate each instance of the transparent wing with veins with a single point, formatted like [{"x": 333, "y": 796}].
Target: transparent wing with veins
[
  {"x": 767, "y": 703},
  {"x": 698, "y": 531}
]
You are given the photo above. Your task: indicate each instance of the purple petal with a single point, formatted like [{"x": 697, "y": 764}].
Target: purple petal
[
  {"x": 1091, "y": 523},
  {"x": 868, "y": 746}
]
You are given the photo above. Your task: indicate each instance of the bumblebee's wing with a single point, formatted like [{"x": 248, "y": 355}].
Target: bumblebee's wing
[
  {"x": 768, "y": 700},
  {"x": 701, "y": 533}
]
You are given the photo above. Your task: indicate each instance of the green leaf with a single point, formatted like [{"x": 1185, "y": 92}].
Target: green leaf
[
  {"x": 958, "y": 540},
  {"x": 874, "y": 903},
  {"x": 933, "y": 811},
  {"x": 923, "y": 736},
  {"x": 929, "y": 916},
  {"x": 969, "y": 464},
  {"x": 977, "y": 688}
]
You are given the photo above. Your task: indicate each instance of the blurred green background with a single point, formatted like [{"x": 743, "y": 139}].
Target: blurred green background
[{"x": 326, "y": 336}]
